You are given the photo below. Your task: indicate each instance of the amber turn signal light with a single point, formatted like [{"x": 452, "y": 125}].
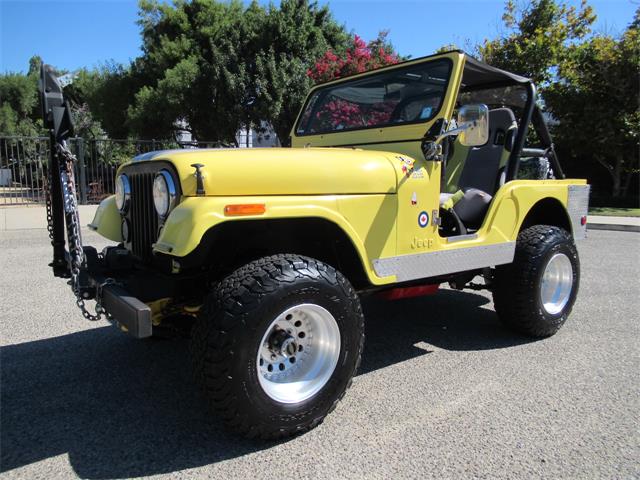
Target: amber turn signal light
[{"x": 244, "y": 209}]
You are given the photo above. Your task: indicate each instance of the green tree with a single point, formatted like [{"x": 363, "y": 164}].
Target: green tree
[
  {"x": 20, "y": 113},
  {"x": 589, "y": 84},
  {"x": 212, "y": 68},
  {"x": 293, "y": 37},
  {"x": 595, "y": 101},
  {"x": 107, "y": 92},
  {"x": 19, "y": 104},
  {"x": 195, "y": 77},
  {"x": 536, "y": 37}
]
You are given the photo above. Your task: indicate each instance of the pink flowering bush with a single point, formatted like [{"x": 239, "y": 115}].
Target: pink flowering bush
[
  {"x": 339, "y": 114},
  {"x": 360, "y": 57}
]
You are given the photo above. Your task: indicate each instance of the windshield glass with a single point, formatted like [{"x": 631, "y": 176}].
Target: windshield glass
[{"x": 411, "y": 94}]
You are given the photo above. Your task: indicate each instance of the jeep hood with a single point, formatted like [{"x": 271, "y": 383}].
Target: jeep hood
[{"x": 283, "y": 171}]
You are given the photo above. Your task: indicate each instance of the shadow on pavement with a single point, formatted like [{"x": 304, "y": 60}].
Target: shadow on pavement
[
  {"x": 451, "y": 320},
  {"x": 123, "y": 408}
]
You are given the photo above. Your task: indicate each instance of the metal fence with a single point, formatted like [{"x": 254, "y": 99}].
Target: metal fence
[{"x": 24, "y": 160}]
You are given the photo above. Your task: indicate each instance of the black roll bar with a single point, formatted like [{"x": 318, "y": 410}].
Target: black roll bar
[
  {"x": 529, "y": 107},
  {"x": 543, "y": 132},
  {"x": 532, "y": 114}
]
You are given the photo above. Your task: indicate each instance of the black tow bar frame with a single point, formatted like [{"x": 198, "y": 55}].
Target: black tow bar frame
[
  {"x": 57, "y": 119},
  {"x": 121, "y": 306}
]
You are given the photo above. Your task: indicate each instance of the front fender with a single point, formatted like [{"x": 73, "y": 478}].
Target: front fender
[
  {"x": 189, "y": 221},
  {"x": 106, "y": 220}
]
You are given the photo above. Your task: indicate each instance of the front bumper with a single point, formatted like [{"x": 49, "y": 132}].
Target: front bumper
[
  {"x": 120, "y": 290},
  {"x": 130, "y": 313}
]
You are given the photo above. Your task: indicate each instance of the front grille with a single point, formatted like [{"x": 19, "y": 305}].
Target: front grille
[{"x": 143, "y": 217}]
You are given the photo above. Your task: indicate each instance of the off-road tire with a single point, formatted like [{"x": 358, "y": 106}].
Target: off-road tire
[
  {"x": 229, "y": 330},
  {"x": 517, "y": 286}
]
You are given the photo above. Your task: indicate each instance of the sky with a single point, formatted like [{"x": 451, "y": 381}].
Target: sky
[{"x": 76, "y": 33}]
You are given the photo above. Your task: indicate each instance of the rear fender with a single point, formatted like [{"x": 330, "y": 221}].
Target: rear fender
[{"x": 520, "y": 202}]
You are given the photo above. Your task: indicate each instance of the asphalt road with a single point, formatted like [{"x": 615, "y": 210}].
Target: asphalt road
[{"x": 444, "y": 391}]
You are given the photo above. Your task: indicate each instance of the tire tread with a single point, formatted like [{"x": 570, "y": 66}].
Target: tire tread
[
  {"x": 222, "y": 320},
  {"x": 515, "y": 282}
]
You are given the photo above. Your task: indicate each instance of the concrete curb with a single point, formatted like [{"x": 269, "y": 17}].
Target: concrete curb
[
  {"x": 613, "y": 227},
  {"x": 619, "y": 224}
]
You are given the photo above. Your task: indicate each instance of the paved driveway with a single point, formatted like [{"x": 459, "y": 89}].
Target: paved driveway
[{"x": 444, "y": 391}]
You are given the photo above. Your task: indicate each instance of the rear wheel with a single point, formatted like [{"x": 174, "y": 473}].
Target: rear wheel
[
  {"x": 535, "y": 294},
  {"x": 277, "y": 344}
]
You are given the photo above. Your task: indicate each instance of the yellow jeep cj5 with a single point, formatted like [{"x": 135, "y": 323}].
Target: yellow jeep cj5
[{"x": 436, "y": 170}]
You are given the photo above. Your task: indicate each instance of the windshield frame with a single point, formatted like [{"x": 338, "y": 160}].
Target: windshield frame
[{"x": 366, "y": 76}]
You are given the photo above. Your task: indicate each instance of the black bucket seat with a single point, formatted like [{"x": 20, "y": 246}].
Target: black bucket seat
[{"x": 480, "y": 175}]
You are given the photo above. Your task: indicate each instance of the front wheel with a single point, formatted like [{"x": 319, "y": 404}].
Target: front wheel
[
  {"x": 535, "y": 294},
  {"x": 277, "y": 344}
]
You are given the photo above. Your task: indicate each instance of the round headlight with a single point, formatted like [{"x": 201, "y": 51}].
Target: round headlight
[
  {"x": 164, "y": 193},
  {"x": 123, "y": 193}
]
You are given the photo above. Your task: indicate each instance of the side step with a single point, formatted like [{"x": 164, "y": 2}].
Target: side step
[{"x": 127, "y": 310}]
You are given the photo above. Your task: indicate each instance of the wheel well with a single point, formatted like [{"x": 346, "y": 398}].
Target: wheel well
[
  {"x": 547, "y": 211},
  {"x": 230, "y": 245}
]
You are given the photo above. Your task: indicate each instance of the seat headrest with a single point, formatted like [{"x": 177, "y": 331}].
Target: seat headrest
[
  {"x": 502, "y": 126},
  {"x": 501, "y": 117}
]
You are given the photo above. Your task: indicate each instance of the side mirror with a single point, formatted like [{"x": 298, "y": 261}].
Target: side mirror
[
  {"x": 472, "y": 129},
  {"x": 474, "y": 122}
]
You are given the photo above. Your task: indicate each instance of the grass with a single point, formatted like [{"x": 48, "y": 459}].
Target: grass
[{"x": 615, "y": 212}]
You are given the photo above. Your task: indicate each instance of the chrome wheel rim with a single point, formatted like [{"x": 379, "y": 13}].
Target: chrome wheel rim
[
  {"x": 298, "y": 353},
  {"x": 557, "y": 283}
]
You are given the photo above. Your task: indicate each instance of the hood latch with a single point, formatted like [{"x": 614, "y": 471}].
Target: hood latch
[{"x": 199, "y": 178}]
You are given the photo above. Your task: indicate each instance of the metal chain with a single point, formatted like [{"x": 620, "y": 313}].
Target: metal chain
[
  {"x": 47, "y": 198},
  {"x": 74, "y": 237}
]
